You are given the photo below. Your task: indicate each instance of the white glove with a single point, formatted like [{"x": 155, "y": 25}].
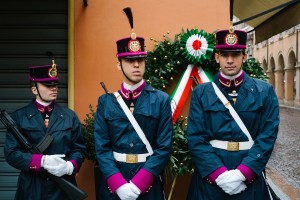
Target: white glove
[
  {"x": 230, "y": 181},
  {"x": 134, "y": 188},
  {"x": 52, "y": 160},
  {"x": 239, "y": 189},
  {"x": 126, "y": 192},
  {"x": 61, "y": 169}
]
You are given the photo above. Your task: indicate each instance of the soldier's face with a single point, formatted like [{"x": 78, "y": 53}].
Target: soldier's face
[
  {"x": 48, "y": 93},
  {"x": 133, "y": 68},
  {"x": 230, "y": 61}
]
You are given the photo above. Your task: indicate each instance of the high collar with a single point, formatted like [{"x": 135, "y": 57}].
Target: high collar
[
  {"x": 231, "y": 81},
  {"x": 135, "y": 90},
  {"x": 41, "y": 106}
]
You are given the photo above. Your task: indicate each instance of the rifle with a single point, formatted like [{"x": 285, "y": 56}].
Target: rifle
[
  {"x": 104, "y": 87},
  {"x": 73, "y": 192}
]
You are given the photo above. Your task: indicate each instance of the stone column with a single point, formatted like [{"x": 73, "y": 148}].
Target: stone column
[
  {"x": 297, "y": 98},
  {"x": 271, "y": 80},
  {"x": 289, "y": 87},
  {"x": 279, "y": 85}
]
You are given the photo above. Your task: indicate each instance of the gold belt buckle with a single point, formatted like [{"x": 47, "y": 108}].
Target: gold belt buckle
[
  {"x": 131, "y": 158},
  {"x": 232, "y": 146}
]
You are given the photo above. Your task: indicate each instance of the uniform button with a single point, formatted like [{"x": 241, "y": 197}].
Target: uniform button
[
  {"x": 258, "y": 155},
  {"x": 131, "y": 144}
]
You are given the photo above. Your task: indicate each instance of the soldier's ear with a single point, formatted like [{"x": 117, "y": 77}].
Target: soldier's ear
[
  {"x": 217, "y": 57},
  {"x": 119, "y": 65},
  {"x": 34, "y": 90},
  {"x": 245, "y": 58}
]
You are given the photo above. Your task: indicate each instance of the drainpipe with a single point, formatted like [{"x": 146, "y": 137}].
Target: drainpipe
[
  {"x": 268, "y": 54},
  {"x": 297, "y": 43}
]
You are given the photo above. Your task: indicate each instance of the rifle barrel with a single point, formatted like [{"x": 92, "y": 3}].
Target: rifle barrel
[{"x": 104, "y": 87}]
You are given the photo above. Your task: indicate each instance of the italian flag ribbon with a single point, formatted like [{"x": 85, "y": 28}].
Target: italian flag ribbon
[{"x": 183, "y": 87}]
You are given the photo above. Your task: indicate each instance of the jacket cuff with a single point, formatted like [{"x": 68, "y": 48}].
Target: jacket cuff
[
  {"x": 214, "y": 175},
  {"x": 75, "y": 171},
  {"x": 143, "y": 180},
  {"x": 35, "y": 163},
  {"x": 115, "y": 181},
  {"x": 247, "y": 172}
]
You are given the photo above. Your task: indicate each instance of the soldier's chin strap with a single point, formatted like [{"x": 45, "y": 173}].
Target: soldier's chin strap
[{"x": 37, "y": 89}]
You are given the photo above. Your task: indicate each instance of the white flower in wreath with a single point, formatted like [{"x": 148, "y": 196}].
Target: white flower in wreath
[{"x": 196, "y": 45}]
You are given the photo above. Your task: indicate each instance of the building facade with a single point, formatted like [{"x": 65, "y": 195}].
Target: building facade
[{"x": 279, "y": 57}]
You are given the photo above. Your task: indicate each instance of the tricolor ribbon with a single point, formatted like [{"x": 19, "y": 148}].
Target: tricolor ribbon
[{"x": 183, "y": 87}]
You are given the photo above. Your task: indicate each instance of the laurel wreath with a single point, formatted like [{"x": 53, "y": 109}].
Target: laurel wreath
[{"x": 170, "y": 58}]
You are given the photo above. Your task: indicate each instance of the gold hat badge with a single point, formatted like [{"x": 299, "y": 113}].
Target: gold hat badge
[{"x": 53, "y": 70}]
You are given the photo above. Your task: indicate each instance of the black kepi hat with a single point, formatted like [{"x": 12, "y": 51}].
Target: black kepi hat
[
  {"x": 46, "y": 74},
  {"x": 231, "y": 40},
  {"x": 133, "y": 46}
]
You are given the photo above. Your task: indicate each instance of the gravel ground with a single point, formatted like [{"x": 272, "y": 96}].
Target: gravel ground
[{"x": 286, "y": 155}]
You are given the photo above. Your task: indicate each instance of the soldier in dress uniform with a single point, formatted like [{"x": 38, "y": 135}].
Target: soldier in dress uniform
[
  {"x": 231, "y": 152},
  {"x": 132, "y": 149},
  {"x": 42, "y": 116}
]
